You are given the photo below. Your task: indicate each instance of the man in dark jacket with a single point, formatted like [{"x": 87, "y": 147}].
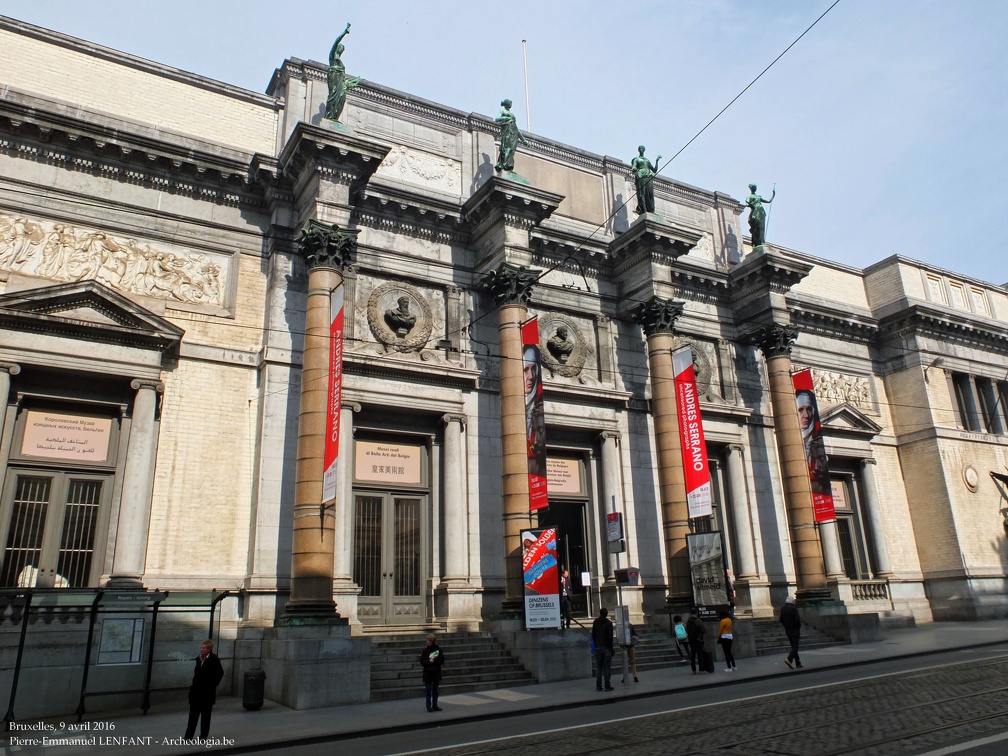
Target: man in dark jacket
[
  {"x": 432, "y": 659},
  {"x": 791, "y": 620},
  {"x": 695, "y": 632},
  {"x": 602, "y": 639},
  {"x": 203, "y": 691}
]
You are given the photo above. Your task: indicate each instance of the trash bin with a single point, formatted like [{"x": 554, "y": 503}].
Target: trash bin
[{"x": 254, "y": 689}]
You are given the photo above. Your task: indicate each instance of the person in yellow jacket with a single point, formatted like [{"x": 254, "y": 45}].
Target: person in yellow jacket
[{"x": 725, "y": 638}]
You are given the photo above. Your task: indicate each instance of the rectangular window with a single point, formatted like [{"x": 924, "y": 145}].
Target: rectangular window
[{"x": 966, "y": 403}]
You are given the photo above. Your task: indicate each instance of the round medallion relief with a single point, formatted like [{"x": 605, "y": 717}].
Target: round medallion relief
[
  {"x": 399, "y": 317},
  {"x": 971, "y": 478},
  {"x": 564, "y": 348}
]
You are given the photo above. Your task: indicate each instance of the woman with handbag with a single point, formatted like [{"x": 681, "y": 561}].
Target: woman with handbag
[{"x": 725, "y": 638}]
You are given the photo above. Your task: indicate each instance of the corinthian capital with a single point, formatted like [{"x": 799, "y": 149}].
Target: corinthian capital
[
  {"x": 657, "y": 315},
  {"x": 775, "y": 340},
  {"x": 510, "y": 284},
  {"x": 327, "y": 246}
]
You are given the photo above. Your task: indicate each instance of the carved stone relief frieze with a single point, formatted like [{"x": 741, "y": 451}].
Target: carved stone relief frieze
[
  {"x": 63, "y": 252},
  {"x": 833, "y": 388},
  {"x": 566, "y": 345},
  {"x": 704, "y": 248},
  {"x": 705, "y": 366},
  {"x": 400, "y": 317},
  {"x": 416, "y": 167}
]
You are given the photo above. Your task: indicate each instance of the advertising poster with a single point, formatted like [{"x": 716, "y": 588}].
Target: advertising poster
[
  {"x": 707, "y": 568},
  {"x": 691, "y": 435},
  {"x": 335, "y": 396},
  {"x": 815, "y": 447},
  {"x": 535, "y": 415},
  {"x": 542, "y": 578}
]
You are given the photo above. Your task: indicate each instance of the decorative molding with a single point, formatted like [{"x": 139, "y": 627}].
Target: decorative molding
[
  {"x": 510, "y": 284},
  {"x": 325, "y": 246},
  {"x": 775, "y": 340},
  {"x": 833, "y": 387}
]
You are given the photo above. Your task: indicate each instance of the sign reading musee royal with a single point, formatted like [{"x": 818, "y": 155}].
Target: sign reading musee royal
[
  {"x": 383, "y": 462},
  {"x": 62, "y": 435}
]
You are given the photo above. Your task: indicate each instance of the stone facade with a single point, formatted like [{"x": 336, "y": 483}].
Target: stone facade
[{"x": 149, "y": 279}]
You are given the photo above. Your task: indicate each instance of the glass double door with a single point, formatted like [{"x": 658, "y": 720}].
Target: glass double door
[{"x": 389, "y": 563}]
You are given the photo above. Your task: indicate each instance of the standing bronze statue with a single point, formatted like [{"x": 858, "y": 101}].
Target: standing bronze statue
[
  {"x": 644, "y": 172},
  {"x": 757, "y": 215},
  {"x": 510, "y": 137},
  {"x": 339, "y": 82}
]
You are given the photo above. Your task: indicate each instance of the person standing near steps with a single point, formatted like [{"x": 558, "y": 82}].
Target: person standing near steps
[
  {"x": 791, "y": 621},
  {"x": 602, "y": 639},
  {"x": 432, "y": 659}
]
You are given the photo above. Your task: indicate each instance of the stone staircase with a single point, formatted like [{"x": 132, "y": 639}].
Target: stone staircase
[
  {"x": 770, "y": 638},
  {"x": 473, "y": 661}
]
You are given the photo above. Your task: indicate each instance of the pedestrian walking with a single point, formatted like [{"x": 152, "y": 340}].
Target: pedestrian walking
[
  {"x": 791, "y": 620},
  {"x": 602, "y": 640},
  {"x": 631, "y": 652},
  {"x": 681, "y": 639},
  {"x": 432, "y": 659},
  {"x": 565, "y": 599},
  {"x": 695, "y": 632},
  {"x": 725, "y": 638},
  {"x": 203, "y": 692}
]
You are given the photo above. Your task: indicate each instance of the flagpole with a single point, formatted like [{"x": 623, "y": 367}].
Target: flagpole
[{"x": 528, "y": 108}]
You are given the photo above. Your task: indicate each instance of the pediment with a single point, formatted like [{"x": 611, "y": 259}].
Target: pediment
[
  {"x": 87, "y": 310},
  {"x": 845, "y": 419}
]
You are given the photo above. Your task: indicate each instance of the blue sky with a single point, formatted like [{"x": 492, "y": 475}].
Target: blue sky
[{"x": 883, "y": 129}]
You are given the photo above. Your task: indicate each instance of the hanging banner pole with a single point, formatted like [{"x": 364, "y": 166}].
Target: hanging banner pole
[
  {"x": 535, "y": 415},
  {"x": 694, "y": 447},
  {"x": 335, "y": 397},
  {"x": 807, "y": 407}
]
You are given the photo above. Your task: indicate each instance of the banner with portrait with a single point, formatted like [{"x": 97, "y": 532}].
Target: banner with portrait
[
  {"x": 709, "y": 573},
  {"x": 334, "y": 400},
  {"x": 535, "y": 415},
  {"x": 691, "y": 435},
  {"x": 542, "y": 578},
  {"x": 815, "y": 448}
]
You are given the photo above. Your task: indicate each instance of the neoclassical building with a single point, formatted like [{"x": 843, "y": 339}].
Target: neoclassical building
[{"x": 155, "y": 321}]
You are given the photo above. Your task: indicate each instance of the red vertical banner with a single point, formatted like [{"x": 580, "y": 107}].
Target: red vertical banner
[
  {"x": 694, "y": 447},
  {"x": 335, "y": 396},
  {"x": 535, "y": 415},
  {"x": 815, "y": 448}
]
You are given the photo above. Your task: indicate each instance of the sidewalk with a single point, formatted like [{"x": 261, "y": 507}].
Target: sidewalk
[{"x": 282, "y": 726}]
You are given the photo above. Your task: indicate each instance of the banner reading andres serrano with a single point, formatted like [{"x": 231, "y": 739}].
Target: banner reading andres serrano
[
  {"x": 335, "y": 397},
  {"x": 535, "y": 415},
  {"x": 691, "y": 435},
  {"x": 815, "y": 447}
]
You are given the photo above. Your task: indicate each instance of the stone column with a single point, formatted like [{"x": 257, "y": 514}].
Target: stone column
[
  {"x": 611, "y": 488},
  {"x": 776, "y": 342},
  {"x": 130, "y": 559},
  {"x": 743, "y": 539},
  {"x": 327, "y": 251},
  {"x": 456, "y": 522},
  {"x": 657, "y": 317},
  {"x": 873, "y": 509},
  {"x": 831, "y": 550},
  {"x": 511, "y": 287},
  {"x": 7, "y": 369}
]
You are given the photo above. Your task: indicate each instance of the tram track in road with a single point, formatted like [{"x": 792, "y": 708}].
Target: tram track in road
[{"x": 891, "y": 713}]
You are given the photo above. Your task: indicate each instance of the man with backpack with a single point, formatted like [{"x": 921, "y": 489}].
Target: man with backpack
[{"x": 695, "y": 632}]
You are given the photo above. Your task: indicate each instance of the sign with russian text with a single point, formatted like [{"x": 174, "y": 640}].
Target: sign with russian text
[
  {"x": 815, "y": 448},
  {"x": 66, "y": 436},
  {"x": 335, "y": 397},
  {"x": 691, "y": 435},
  {"x": 542, "y": 578},
  {"x": 535, "y": 415}
]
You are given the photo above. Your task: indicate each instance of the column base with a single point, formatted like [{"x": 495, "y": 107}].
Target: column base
[
  {"x": 816, "y": 597},
  {"x": 310, "y": 609},
  {"x": 125, "y": 583},
  {"x": 313, "y": 665}
]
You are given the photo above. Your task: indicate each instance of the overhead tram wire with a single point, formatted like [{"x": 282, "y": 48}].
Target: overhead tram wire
[{"x": 695, "y": 136}]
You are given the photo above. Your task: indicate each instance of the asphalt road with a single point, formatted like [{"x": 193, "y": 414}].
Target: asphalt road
[{"x": 953, "y": 702}]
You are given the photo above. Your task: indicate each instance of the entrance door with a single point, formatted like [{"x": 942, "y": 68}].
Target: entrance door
[
  {"x": 569, "y": 520},
  {"x": 388, "y": 558},
  {"x": 52, "y": 530}
]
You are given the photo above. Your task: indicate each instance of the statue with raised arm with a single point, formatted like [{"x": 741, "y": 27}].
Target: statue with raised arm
[
  {"x": 644, "y": 172},
  {"x": 339, "y": 82},
  {"x": 757, "y": 215},
  {"x": 510, "y": 137}
]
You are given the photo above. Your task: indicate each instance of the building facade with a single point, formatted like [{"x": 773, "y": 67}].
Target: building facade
[{"x": 153, "y": 301}]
